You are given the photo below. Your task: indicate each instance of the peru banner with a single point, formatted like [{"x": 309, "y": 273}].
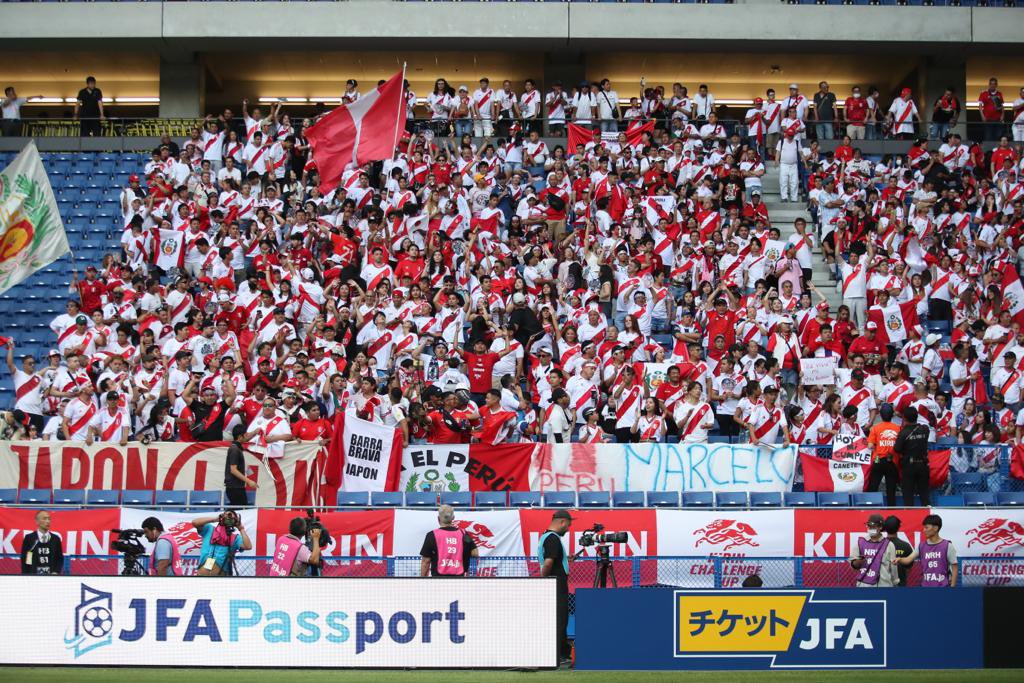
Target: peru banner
[
  {"x": 465, "y": 467},
  {"x": 359, "y": 132},
  {"x": 368, "y": 457},
  {"x": 662, "y": 467},
  {"x": 845, "y": 468},
  {"x": 289, "y": 480}
]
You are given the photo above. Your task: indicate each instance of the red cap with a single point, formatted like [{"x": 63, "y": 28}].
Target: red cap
[
  {"x": 206, "y": 280},
  {"x": 905, "y": 92},
  {"x": 823, "y": 306},
  {"x": 133, "y": 178},
  {"x": 758, "y": 100}
]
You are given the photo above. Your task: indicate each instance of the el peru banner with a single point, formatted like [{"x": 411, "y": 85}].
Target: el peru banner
[
  {"x": 367, "y": 457},
  {"x": 290, "y": 480},
  {"x": 31, "y": 232},
  {"x": 463, "y": 467}
]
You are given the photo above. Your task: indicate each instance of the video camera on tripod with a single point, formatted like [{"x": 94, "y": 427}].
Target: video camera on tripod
[
  {"x": 594, "y": 536},
  {"x": 127, "y": 543}
]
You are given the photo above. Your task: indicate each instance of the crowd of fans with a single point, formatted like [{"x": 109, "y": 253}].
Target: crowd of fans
[{"x": 493, "y": 289}]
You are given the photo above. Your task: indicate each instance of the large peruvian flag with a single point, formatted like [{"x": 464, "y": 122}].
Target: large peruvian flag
[
  {"x": 364, "y": 456},
  {"x": 894, "y": 321},
  {"x": 1013, "y": 293},
  {"x": 581, "y": 135},
  {"x": 845, "y": 470},
  {"x": 358, "y": 133}
]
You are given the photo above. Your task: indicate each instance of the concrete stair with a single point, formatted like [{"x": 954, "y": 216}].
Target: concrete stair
[{"x": 782, "y": 216}]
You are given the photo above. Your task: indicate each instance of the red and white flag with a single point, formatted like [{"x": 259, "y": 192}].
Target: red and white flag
[
  {"x": 367, "y": 457},
  {"x": 659, "y": 206},
  {"x": 167, "y": 248},
  {"x": 1013, "y": 293},
  {"x": 845, "y": 470},
  {"x": 894, "y": 320},
  {"x": 359, "y": 132}
]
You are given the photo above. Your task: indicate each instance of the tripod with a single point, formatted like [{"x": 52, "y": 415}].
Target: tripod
[
  {"x": 132, "y": 566},
  {"x": 604, "y": 568}
]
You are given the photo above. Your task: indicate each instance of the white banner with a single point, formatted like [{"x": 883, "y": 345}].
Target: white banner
[
  {"x": 662, "y": 467},
  {"x": 819, "y": 371},
  {"x": 435, "y": 467},
  {"x": 738, "y": 537},
  {"x": 369, "y": 448},
  {"x": 289, "y": 480},
  {"x": 280, "y": 623},
  {"x": 996, "y": 535},
  {"x": 497, "y": 533}
]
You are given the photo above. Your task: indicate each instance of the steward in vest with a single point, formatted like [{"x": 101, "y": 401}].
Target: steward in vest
[
  {"x": 447, "y": 549},
  {"x": 166, "y": 557},
  {"x": 874, "y": 557},
  {"x": 939, "y": 566},
  {"x": 42, "y": 551},
  {"x": 291, "y": 556}
]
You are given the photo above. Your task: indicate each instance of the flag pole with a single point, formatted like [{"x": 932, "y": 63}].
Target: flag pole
[{"x": 401, "y": 118}]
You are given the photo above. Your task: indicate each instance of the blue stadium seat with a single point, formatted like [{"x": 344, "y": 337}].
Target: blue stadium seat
[
  {"x": 205, "y": 499},
  {"x": 491, "y": 499},
  {"x": 594, "y": 499},
  {"x": 386, "y": 499},
  {"x": 8, "y": 496},
  {"x": 457, "y": 499},
  {"x": 731, "y": 499},
  {"x": 955, "y": 500},
  {"x": 663, "y": 499},
  {"x": 869, "y": 499},
  {"x": 34, "y": 496},
  {"x": 979, "y": 498},
  {"x": 560, "y": 499},
  {"x": 698, "y": 499},
  {"x": 421, "y": 499},
  {"x": 103, "y": 497},
  {"x": 1010, "y": 498},
  {"x": 171, "y": 499},
  {"x": 765, "y": 499},
  {"x": 137, "y": 497},
  {"x": 69, "y": 496},
  {"x": 628, "y": 499},
  {"x": 800, "y": 499},
  {"x": 833, "y": 499},
  {"x": 524, "y": 499},
  {"x": 963, "y": 482},
  {"x": 353, "y": 499}
]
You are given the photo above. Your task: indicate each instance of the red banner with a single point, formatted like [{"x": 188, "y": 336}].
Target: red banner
[
  {"x": 83, "y": 532},
  {"x": 360, "y": 539}
]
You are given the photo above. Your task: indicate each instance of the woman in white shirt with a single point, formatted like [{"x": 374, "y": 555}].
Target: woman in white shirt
[
  {"x": 650, "y": 425},
  {"x": 693, "y": 415}
]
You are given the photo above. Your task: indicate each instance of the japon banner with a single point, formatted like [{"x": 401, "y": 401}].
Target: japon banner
[
  {"x": 179, "y": 525},
  {"x": 366, "y": 457},
  {"x": 496, "y": 533},
  {"x": 289, "y": 480},
  {"x": 742, "y": 538},
  {"x": 82, "y": 532},
  {"x": 480, "y": 467},
  {"x": 662, "y": 467},
  {"x": 997, "y": 535}
]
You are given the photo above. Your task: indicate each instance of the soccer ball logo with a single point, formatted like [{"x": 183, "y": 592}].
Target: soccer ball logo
[{"x": 97, "y": 621}]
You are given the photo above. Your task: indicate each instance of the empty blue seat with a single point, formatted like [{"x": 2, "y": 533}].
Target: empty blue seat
[
  {"x": 103, "y": 497},
  {"x": 421, "y": 499},
  {"x": 386, "y": 499},
  {"x": 353, "y": 499},
  {"x": 137, "y": 497},
  {"x": 731, "y": 499},
  {"x": 457, "y": 499},
  {"x": 979, "y": 498},
  {"x": 205, "y": 499},
  {"x": 869, "y": 499},
  {"x": 560, "y": 499},
  {"x": 663, "y": 499},
  {"x": 955, "y": 500},
  {"x": 491, "y": 499},
  {"x": 174, "y": 499},
  {"x": 765, "y": 499},
  {"x": 1010, "y": 498},
  {"x": 698, "y": 499},
  {"x": 69, "y": 496},
  {"x": 8, "y": 496},
  {"x": 594, "y": 499},
  {"x": 833, "y": 499},
  {"x": 35, "y": 496},
  {"x": 524, "y": 499},
  {"x": 628, "y": 499},
  {"x": 800, "y": 499},
  {"x": 962, "y": 482}
]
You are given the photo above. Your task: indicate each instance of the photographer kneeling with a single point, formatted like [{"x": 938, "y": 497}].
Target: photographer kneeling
[
  {"x": 220, "y": 542},
  {"x": 166, "y": 557},
  {"x": 291, "y": 555}
]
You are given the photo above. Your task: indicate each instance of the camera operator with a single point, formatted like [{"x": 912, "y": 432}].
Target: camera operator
[
  {"x": 235, "y": 480},
  {"x": 166, "y": 557},
  {"x": 291, "y": 556},
  {"x": 554, "y": 562},
  {"x": 447, "y": 549},
  {"x": 220, "y": 542},
  {"x": 42, "y": 551}
]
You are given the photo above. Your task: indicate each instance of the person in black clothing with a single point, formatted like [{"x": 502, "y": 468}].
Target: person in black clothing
[
  {"x": 912, "y": 447},
  {"x": 903, "y": 549},
  {"x": 209, "y": 413},
  {"x": 42, "y": 552},
  {"x": 554, "y": 562},
  {"x": 89, "y": 108},
  {"x": 527, "y": 325},
  {"x": 235, "y": 480},
  {"x": 446, "y": 528}
]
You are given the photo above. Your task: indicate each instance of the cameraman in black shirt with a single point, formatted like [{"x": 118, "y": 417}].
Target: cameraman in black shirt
[
  {"x": 912, "y": 447},
  {"x": 42, "y": 551}
]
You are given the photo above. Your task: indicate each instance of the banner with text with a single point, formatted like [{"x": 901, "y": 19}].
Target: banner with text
[
  {"x": 464, "y": 467},
  {"x": 367, "y": 457},
  {"x": 996, "y": 535}
]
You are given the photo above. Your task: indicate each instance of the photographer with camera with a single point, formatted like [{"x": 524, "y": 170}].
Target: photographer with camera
[
  {"x": 42, "y": 551},
  {"x": 447, "y": 549},
  {"x": 235, "y": 480},
  {"x": 291, "y": 555},
  {"x": 220, "y": 542},
  {"x": 554, "y": 562},
  {"x": 165, "y": 560}
]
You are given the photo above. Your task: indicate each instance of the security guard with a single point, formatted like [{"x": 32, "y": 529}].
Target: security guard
[
  {"x": 554, "y": 562},
  {"x": 903, "y": 549},
  {"x": 42, "y": 551}
]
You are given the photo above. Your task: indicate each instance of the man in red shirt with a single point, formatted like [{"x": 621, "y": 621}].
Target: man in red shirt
[
  {"x": 313, "y": 427},
  {"x": 870, "y": 347},
  {"x": 480, "y": 368},
  {"x": 557, "y": 201},
  {"x": 990, "y": 106},
  {"x": 90, "y": 290},
  {"x": 1000, "y": 154},
  {"x": 446, "y": 427},
  {"x": 855, "y": 110},
  {"x": 722, "y": 318}
]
